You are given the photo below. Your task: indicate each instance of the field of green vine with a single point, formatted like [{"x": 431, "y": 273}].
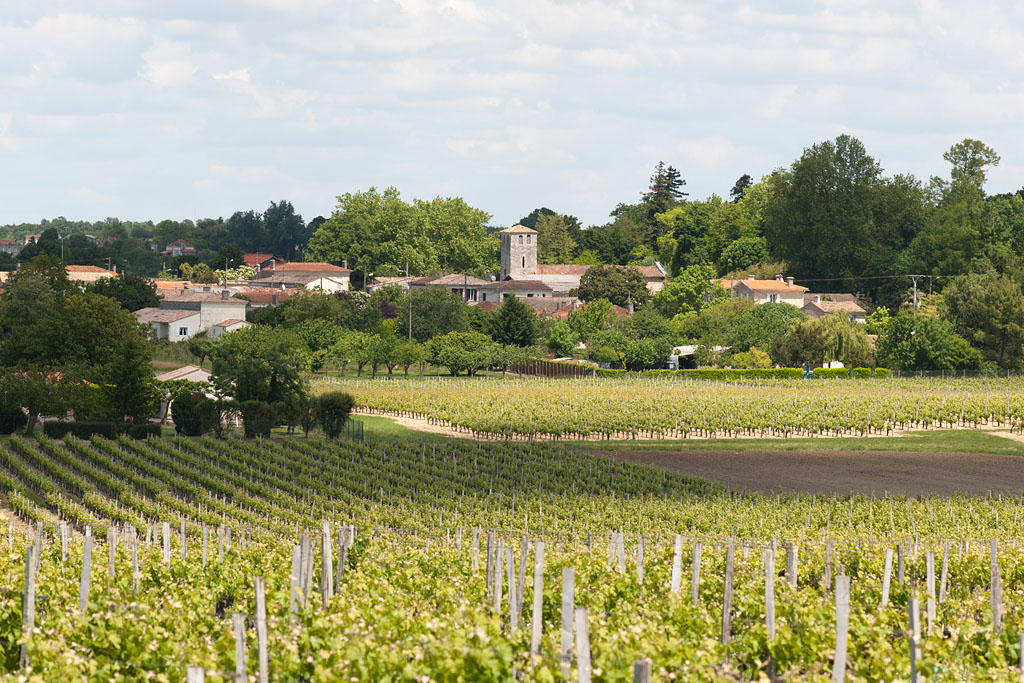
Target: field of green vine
[
  {"x": 410, "y": 598},
  {"x": 661, "y": 408}
]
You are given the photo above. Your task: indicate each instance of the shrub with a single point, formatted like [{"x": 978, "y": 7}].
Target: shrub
[
  {"x": 881, "y": 372},
  {"x": 258, "y": 418},
  {"x": 861, "y": 373},
  {"x": 333, "y": 410},
  {"x": 143, "y": 431},
  {"x": 57, "y": 430},
  {"x": 831, "y": 373},
  {"x": 185, "y": 411}
]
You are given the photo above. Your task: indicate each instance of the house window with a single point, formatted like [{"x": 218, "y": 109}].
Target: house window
[
  {"x": 530, "y": 295},
  {"x": 773, "y": 298},
  {"x": 182, "y": 331},
  {"x": 520, "y": 239},
  {"x": 528, "y": 238}
]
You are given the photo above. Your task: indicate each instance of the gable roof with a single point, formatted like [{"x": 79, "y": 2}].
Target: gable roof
[
  {"x": 230, "y": 322},
  {"x": 451, "y": 280},
  {"x": 266, "y": 295},
  {"x": 770, "y": 286},
  {"x": 649, "y": 272},
  {"x": 193, "y": 297},
  {"x": 256, "y": 258},
  {"x": 162, "y": 315},
  {"x": 183, "y": 371},
  {"x": 519, "y": 286},
  {"x": 90, "y": 269},
  {"x": 522, "y": 229},
  {"x": 311, "y": 267}
]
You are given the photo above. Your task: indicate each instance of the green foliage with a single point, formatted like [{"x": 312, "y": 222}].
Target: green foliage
[
  {"x": 754, "y": 358},
  {"x": 689, "y": 292},
  {"x": 621, "y": 286},
  {"x": 514, "y": 323},
  {"x": 378, "y": 232},
  {"x": 131, "y": 291},
  {"x": 834, "y": 337},
  {"x": 562, "y": 340},
  {"x": 461, "y": 351},
  {"x": 592, "y": 317},
  {"x": 435, "y": 311},
  {"x": 84, "y": 429},
  {"x": 258, "y": 418},
  {"x": 987, "y": 309},
  {"x": 554, "y": 244},
  {"x": 915, "y": 343},
  {"x": 647, "y": 352},
  {"x": 761, "y": 325},
  {"x": 192, "y": 414},
  {"x": 332, "y": 411},
  {"x": 259, "y": 364}
]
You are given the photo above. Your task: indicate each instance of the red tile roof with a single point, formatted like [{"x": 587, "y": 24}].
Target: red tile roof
[
  {"x": 519, "y": 229},
  {"x": 312, "y": 267}
]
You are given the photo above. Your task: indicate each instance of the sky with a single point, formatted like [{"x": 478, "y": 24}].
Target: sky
[{"x": 188, "y": 108}]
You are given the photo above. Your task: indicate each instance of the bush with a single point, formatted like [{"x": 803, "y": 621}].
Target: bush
[
  {"x": 258, "y": 418},
  {"x": 333, "y": 410},
  {"x": 831, "y": 373},
  {"x": 720, "y": 374},
  {"x": 881, "y": 372},
  {"x": 143, "y": 431},
  {"x": 861, "y": 373},
  {"x": 11, "y": 420},
  {"x": 185, "y": 412},
  {"x": 57, "y": 430}
]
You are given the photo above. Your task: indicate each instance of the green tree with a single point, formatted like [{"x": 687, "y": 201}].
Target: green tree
[
  {"x": 259, "y": 364},
  {"x": 591, "y": 317},
  {"x": 284, "y": 229},
  {"x": 619, "y": 285},
  {"x": 648, "y": 352},
  {"x": 915, "y": 343},
  {"x": 459, "y": 351},
  {"x": 988, "y": 310},
  {"x": 435, "y": 311},
  {"x": 201, "y": 347},
  {"x": 514, "y": 323},
  {"x": 131, "y": 291},
  {"x": 563, "y": 340},
  {"x": 665, "y": 190},
  {"x": 408, "y": 354},
  {"x": 689, "y": 292},
  {"x": 761, "y": 325},
  {"x": 554, "y": 244},
  {"x": 754, "y": 358},
  {"x": 456, "y": 233},
  {"x": 333, "y": 411}
]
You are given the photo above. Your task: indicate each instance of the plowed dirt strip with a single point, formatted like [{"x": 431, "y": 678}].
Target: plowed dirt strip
[{"x": 842, "y": 472}]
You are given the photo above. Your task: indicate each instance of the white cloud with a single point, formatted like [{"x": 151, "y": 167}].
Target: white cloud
[{"x": 514, "y": 103}]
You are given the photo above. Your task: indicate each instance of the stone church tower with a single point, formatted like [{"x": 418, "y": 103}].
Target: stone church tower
[{"x": 518, "y": 251}]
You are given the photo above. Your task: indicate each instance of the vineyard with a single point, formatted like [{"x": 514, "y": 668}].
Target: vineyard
[
  {"x": 400, "y": 560},
  {"x": 659, "y": 408}
]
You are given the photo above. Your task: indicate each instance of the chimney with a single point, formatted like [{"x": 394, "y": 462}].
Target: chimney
[
  {"x": 779, "y": 277},
  {"x": 224, "y": 295},
  {"x": 344, "y": 263},
  {"x": 751, "y": 277},
  {"x": 789, "y": 282},
  {"x": 273, "y": 299},
  {"x": 817, "y": 298}
]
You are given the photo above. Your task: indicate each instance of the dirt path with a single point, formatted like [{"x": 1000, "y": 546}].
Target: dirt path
[{"x": 841, "y": 472}]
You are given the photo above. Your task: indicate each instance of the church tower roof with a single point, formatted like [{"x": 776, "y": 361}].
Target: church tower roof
[{"x": 520, "y": 229}]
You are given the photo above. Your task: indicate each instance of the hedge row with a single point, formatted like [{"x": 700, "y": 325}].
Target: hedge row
[
  {"x": 754, "y": 373},
  {"x": 110, "y": 430}
]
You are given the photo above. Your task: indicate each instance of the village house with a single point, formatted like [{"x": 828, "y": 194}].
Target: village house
[
  {"x": 261, "y": 261},
  {"x": 224, "y": 326},
  {"x": 264, "y": 297},
  {"x": 312, "y": 276},
  {"x": 86, "y": 275},
  {"x": 778, "y": 291},
  {"x": 171, "y": 324},
  {"x": 820, "y": 305},
  {"x": 179, "y": 248},
  {"x": 213, "y": 306},
  {"x": 31, "y": 239},
  {"x": 12, "y": 247}
]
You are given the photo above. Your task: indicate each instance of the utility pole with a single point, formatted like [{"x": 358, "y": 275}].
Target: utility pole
[
  {"x": 408, "y": 291},
  {"x": 914, "y": 280}
]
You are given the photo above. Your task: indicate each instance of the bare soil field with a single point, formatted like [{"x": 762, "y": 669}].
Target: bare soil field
[{"x": 841, "y": 472}]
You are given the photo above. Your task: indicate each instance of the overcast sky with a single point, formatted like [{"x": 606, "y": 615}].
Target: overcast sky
[{"x": 192, "y": 108}]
